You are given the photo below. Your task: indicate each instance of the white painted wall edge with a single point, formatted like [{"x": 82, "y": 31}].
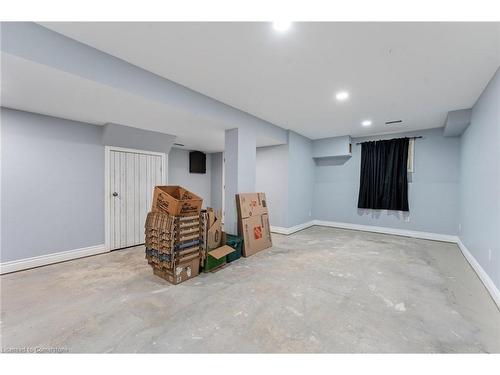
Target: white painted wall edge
[
  {"x": 43, "y": 260},
  {"x": 481, "y": 273}
]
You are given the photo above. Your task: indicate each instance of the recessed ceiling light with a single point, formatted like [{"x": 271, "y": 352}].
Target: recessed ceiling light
[
  {"x": 282, "y": 25},
  {"x": 366, "y": 122},
  {"x": 342, "y": 95}
]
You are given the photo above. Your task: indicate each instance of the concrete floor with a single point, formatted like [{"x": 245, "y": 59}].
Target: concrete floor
[{"x": 319, "y": 290}]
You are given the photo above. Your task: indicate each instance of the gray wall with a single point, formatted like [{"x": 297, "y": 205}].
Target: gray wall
[
  {"x": 300, "y": 179},
  {"x": 52, "y": 185},
  {"x": 286, "y": 174},
  {"x": 456, "y": 122},
  {"x": 272, "y": 178},
  {"x": 216, "y": 180},
  {"x": 239, "y": 171},
  {"x": 480, "y": 181},
  {"x": 53, "y": 180},
  {"x": 433, "y": 192},
  {"x": 178, "y": 174}
]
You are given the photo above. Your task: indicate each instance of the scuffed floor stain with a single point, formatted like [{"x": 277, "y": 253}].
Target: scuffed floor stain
[
  {"x": 294, "y": 311},
  {"x": 400, "y": 306}
]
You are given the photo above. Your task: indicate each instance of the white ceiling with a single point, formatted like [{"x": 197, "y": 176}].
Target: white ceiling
[
  {"x": 38, "y": 88},
  {"x": 33, "y": 87},
  {"x": 415, "y": 72}
]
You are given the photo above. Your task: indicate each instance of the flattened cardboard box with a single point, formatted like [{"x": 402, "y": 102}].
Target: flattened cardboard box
[
  {"x": 217, "y": 258},
  {"x": 214, "y": 232},
  {"x": 211, "y": 228},
  {"x": 176, "y": 201},
  {"x": 163, "y": 231},
  {"x": 221, "y": 252},
  {"x": 181, "y": 272},
  {"x": 256, "y": 234},
  {"x": 251, "y": 204}
]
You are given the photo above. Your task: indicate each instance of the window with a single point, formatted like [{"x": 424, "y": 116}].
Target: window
[
  {"x": 411, "y": 152},
  {"x": 384, "y": 175}
]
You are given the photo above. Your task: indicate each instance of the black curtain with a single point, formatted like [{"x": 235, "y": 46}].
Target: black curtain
[{"x": 383, "y": 178}]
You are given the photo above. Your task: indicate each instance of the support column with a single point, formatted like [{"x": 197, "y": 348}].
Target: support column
[{"x": 239, "y": 171}]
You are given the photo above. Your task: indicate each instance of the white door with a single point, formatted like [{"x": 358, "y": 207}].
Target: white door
[{"x": 132, "y": 177}]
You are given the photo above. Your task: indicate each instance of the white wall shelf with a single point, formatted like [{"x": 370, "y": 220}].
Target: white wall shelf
[{"x": 335, "y": 147}]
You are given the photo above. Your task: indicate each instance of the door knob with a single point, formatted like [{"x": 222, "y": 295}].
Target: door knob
[{"x": 115, "y": 194}]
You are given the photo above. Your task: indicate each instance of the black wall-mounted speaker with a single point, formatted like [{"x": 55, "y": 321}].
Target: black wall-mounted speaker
[{"x": 197, "y": 162}]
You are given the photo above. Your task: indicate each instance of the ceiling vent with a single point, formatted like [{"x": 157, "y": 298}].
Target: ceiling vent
[{"x": 393, "y": 122}]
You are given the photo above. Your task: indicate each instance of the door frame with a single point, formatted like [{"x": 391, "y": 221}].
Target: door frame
[
  {"x": 107, "y": 191},
  {"x": 223, "y": 184}
]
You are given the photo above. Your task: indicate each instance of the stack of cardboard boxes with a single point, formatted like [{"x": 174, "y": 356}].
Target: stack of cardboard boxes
[
  {"x": 180, "y": 237},
  {"x": 173, "y": 236},
  {"x": 253, "y": 222}
]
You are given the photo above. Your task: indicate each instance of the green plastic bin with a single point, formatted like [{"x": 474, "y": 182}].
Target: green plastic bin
[
  {"x": 236, "y": 242},
  {"x": 211, "y": 263}
]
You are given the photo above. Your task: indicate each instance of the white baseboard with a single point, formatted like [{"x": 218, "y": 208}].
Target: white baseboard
[
  {"x": 481, "y": 273},
  {"x": 23, "y": 264},
  {"x": 290, "y": 230},
  {"x": 387, "y": 230}
]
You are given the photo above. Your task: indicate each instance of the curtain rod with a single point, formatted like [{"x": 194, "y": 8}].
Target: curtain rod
[{"x": 358, "y": 143}]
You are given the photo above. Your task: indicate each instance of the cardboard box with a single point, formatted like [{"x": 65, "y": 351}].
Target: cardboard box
[
  {"x": 251, "y": 204},
  {"x": 211, "y": 228},
  {"x": 176, "y": 201},
  {"x": 256, "y": 234},
  {"x": 253, "y": 222},
  {"x": 181, "y": 272},
  {"x": 214, "y": 229},
  {"x": 166, "y": 233},
  {"x": 212, "y": 239},
  {"x": 217, "y": 258}
]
